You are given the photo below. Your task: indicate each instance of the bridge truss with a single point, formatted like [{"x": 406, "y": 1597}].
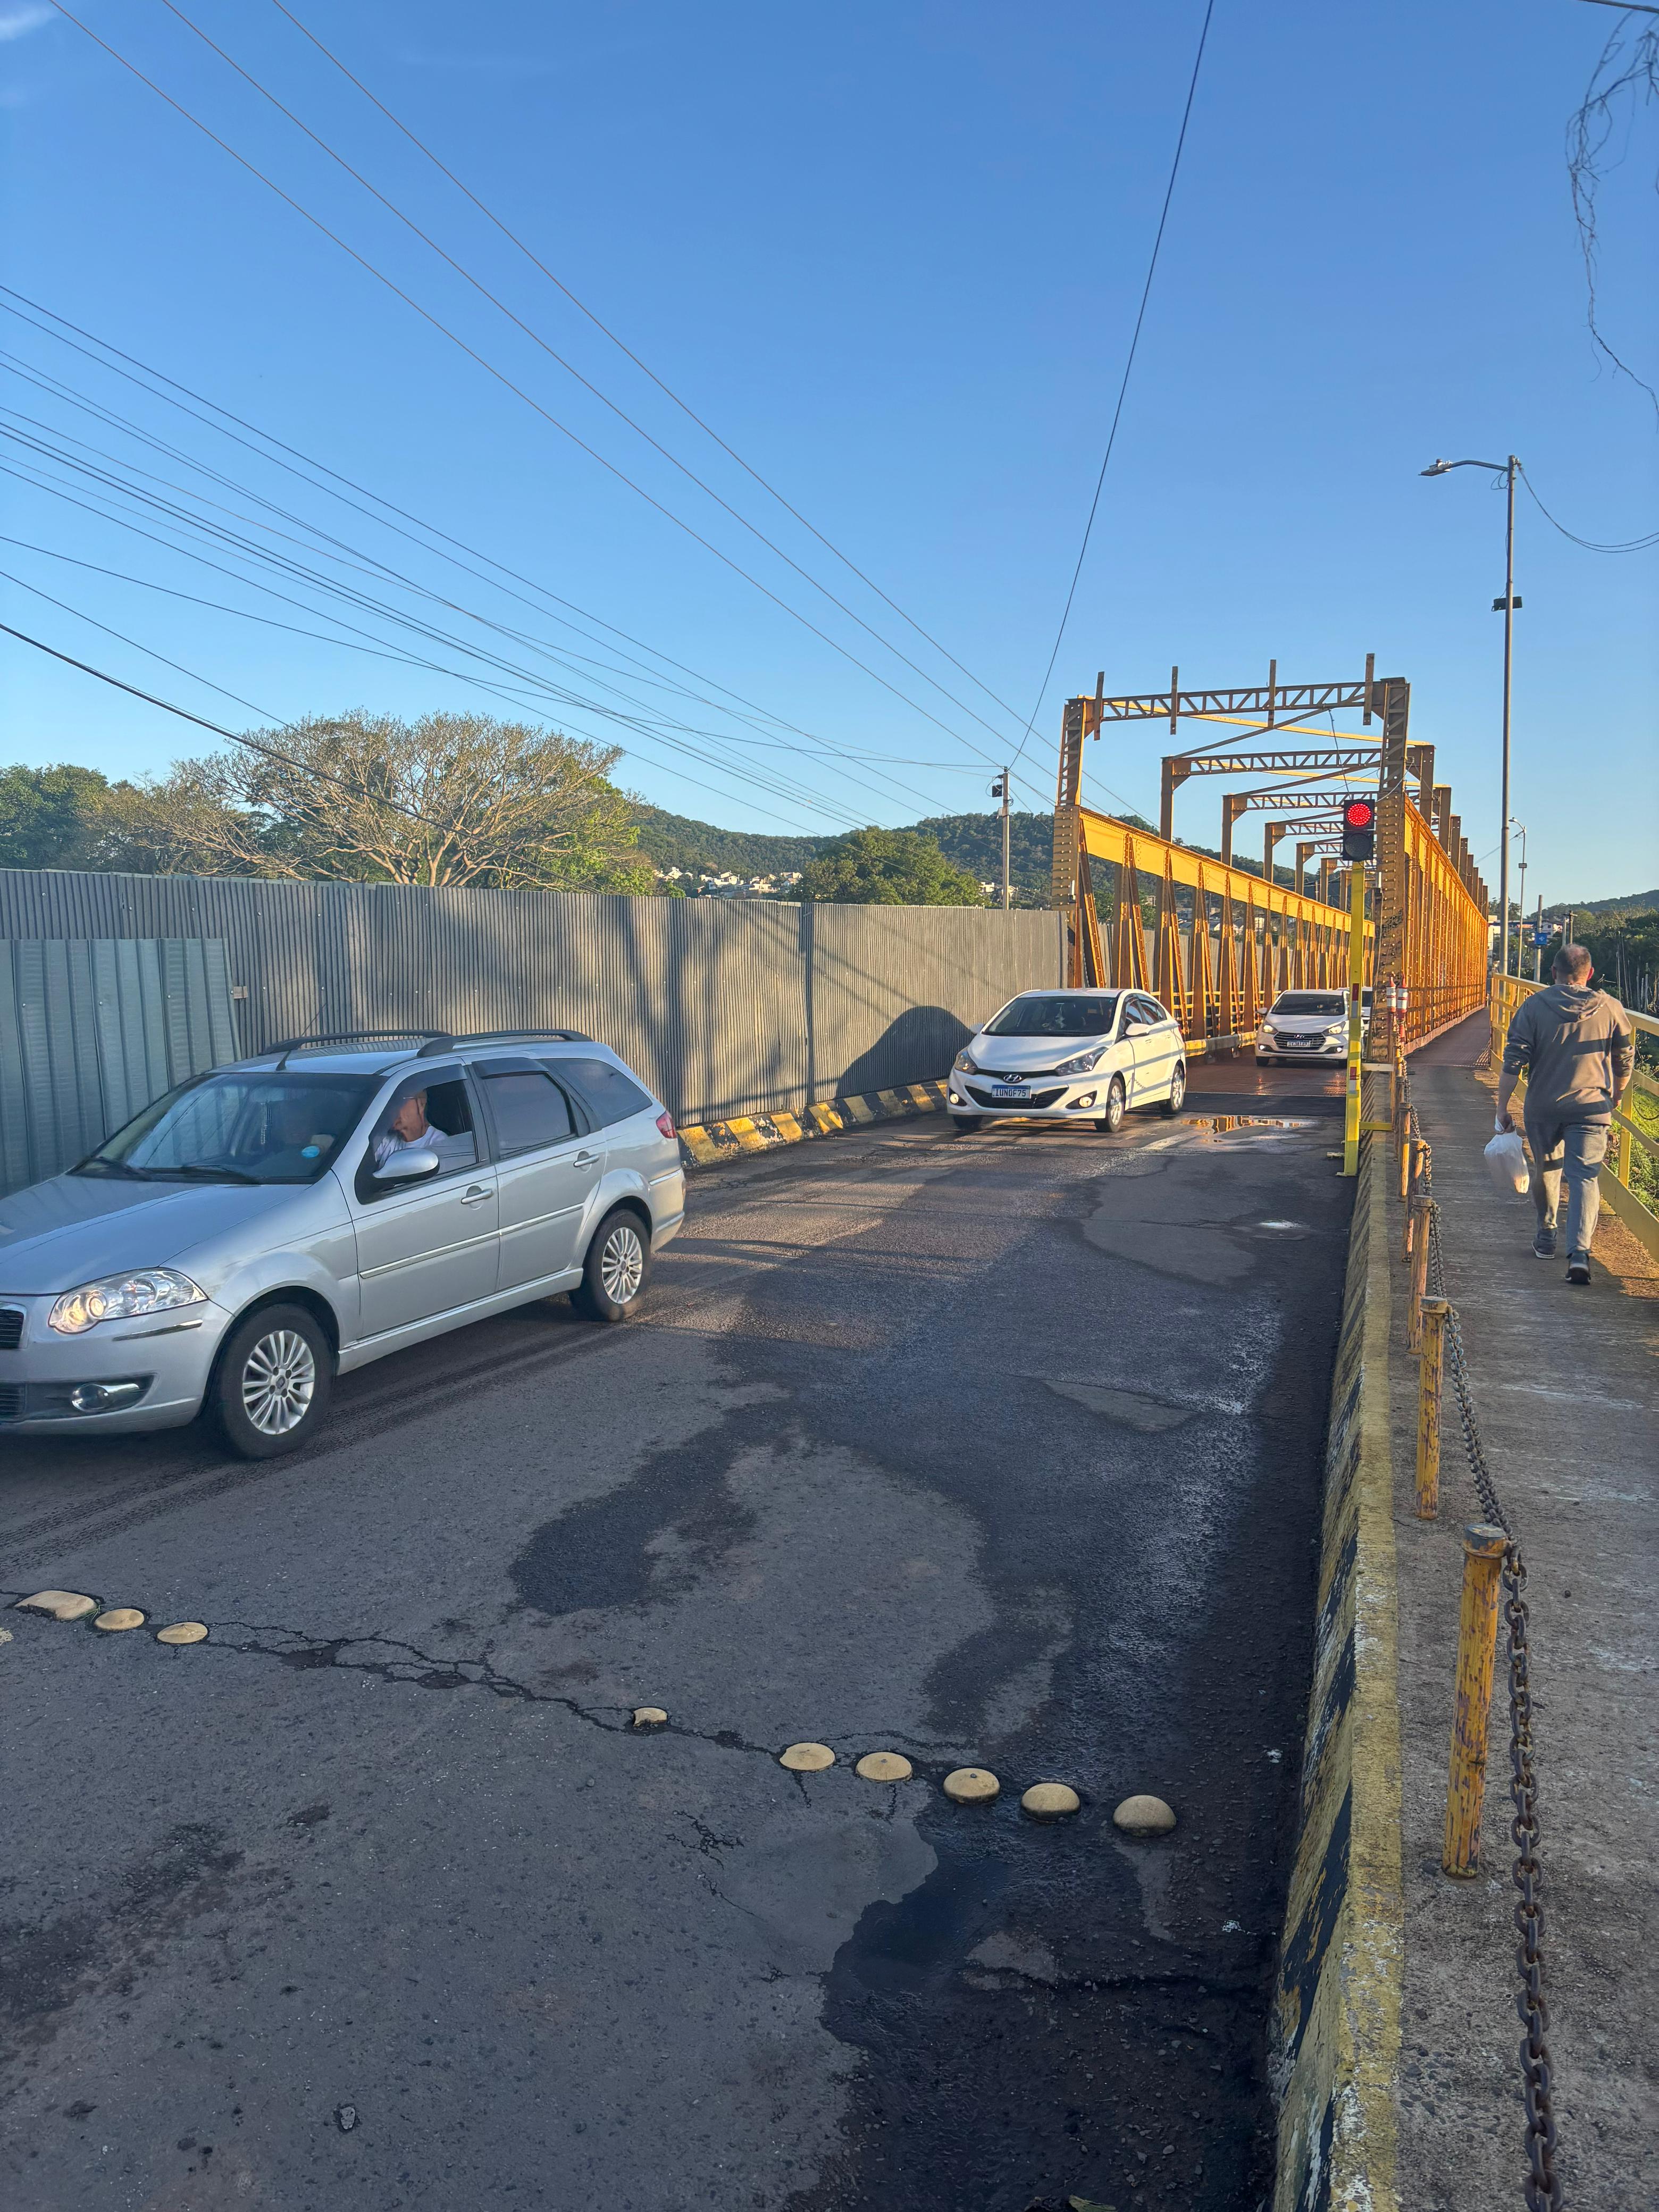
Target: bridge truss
[{"x": 1214, "y": 940}]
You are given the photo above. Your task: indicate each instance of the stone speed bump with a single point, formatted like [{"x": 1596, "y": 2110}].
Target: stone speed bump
[
  {"x": 884, "y": 1766},
  {"x": 649, "y": 1717},
  {"x": 1144, "y": 1816},
  {"x": 183, "y": 1632},
  {"x": 807, "y": 1757},
  {"x": 62, "y": 1605},
  {"x": 971, "y": 1785},
  {"x": 1050, "y": 1800},
  {"x": 118, "y": 1617}
]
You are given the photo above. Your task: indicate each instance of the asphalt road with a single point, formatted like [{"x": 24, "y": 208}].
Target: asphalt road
[{"x": 1001, "y": 1450}]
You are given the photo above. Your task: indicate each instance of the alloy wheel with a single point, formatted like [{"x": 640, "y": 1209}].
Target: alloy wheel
[
  {"x": 621, "y": 1264},
  {"x": 279, "y": 1381}
]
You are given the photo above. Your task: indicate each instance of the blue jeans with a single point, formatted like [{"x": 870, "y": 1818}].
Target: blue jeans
[{"x": 1574, "y": 1150}]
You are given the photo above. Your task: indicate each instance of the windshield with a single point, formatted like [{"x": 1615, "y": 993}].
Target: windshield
[
  {"x": 241, "y": 1127},
  {"x": 1329, "y": 1003},
  {"x": 1038, "y": 1014}
]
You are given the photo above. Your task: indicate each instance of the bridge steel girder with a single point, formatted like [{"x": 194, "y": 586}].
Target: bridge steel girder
[
  {"x": 1218, "y": 981},
  {"x": 1430, "y": 926},
  {"x": 1271, "y": 799}
]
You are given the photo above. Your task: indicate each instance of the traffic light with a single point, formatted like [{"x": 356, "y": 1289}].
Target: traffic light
[{"x": 1358, "y": 829}]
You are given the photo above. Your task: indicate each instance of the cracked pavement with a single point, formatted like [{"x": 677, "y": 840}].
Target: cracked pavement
[{"x": 1001, "y": 1451}]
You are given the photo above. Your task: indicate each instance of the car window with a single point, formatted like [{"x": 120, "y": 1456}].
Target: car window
[
  {"x": 1328, "y": 1003},
  {"x": 431, "y": 1112},
  {"x": 1151, "y": 1011},
  {"x": 259, "y": 1125},
  {"x": 611, "y": 1096},
  {"x": 1043, "y": 1013},
  {"x": 528, "y": 1107}
]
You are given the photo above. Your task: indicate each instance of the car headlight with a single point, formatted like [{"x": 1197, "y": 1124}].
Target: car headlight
[
  {"x": 123, "y": 1297},
  {"x": 1083, "y": 1062},
  {"x": 967, "y": 1067}
]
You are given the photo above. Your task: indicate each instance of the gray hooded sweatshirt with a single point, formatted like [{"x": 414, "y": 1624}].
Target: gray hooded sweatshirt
[{"x": 1570, "y": 1044}]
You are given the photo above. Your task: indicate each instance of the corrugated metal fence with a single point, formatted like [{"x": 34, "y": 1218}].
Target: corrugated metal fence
[
  {"x": 90, "y": 1032},
  {"x": 724, "y": 1006}
]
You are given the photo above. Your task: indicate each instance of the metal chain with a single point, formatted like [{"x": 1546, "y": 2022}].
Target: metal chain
[{"x": 1542, "y": 2188}]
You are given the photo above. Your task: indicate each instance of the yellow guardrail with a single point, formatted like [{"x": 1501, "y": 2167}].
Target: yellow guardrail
[{"x": 1630, "y": 1138}]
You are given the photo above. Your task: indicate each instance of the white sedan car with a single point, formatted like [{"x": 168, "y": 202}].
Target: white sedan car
[
  {"x": 1084, "y": 1055},
  {"x": 1309, "y": 1025}
]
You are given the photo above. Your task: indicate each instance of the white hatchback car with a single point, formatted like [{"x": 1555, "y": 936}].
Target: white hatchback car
[
  {"x": 1071, "y": 1055},
  {"x": 1309, "y": 1025}
]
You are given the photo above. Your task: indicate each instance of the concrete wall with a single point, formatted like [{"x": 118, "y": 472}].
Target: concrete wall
[{"x": 725, "y": 1007}]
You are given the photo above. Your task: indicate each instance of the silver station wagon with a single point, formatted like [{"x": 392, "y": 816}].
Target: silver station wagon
[{"x": 264, "y": 1228}]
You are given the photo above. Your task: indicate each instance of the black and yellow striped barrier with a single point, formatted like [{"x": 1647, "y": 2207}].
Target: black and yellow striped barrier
[{"x": 710, "y": 1144}]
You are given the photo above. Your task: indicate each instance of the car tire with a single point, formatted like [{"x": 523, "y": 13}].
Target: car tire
[
  {"x": 1111, "y": 1120},
  {"x": 615, "y": 1270},
  {"x": 1172, "y": 1104},
  {"x": 963, "y": 1125},
  {"x": 271, "y": 1385}
]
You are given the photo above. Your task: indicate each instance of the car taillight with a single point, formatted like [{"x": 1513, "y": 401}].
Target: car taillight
[{"x": 666, "y": 1123}]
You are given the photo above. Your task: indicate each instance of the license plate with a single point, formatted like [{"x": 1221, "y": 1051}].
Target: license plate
[{"x": 1012, "y": 1092}]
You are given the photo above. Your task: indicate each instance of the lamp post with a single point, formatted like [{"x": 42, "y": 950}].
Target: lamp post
[{"x": 1509, "y": 603}]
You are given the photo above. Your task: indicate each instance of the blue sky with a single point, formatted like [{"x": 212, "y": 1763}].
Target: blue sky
[{"x": 892, "y": 255}]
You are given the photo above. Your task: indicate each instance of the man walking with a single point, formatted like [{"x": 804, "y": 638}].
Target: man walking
[{"x": 1576, "y": 1049}]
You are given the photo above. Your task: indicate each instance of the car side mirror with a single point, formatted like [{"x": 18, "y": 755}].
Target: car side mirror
[{"x": 408, "y": 1167}]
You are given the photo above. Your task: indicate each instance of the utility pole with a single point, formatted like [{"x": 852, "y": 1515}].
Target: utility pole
[
  {"x": 1537, "y": 943},
  {"x": 1510, "y": 469},
  {"x": 1521, "y": 906},
  {"x": 999, "y": 790},
  {"x": 1509, "y": 606}
]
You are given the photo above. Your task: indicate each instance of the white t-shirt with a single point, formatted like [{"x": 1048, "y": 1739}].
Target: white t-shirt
[{"x": 452, "y": 1151}]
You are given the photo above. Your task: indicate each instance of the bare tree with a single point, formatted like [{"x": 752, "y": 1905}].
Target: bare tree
[
  {"x": 1626, "y": 78},
  {"x": 451, "y": 798}
]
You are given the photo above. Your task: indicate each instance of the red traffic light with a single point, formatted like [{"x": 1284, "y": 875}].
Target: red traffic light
[{"x": 1359, "y": 814}]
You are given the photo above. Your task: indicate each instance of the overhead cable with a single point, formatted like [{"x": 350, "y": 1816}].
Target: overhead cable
[
  {"x": 644, "y": 368},
  {"x": 1630, "y": 546},
  {"x": 507, "y": 384},
  {"x": 1128, "y": 366},
  {"x": 331, "y": 478}
]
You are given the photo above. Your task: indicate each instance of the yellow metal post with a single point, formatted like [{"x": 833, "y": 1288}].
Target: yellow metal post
[
  {"x": 1418, "y": 1218},
  {"x": 1356, "y": 990},
  {"x": 1431, "y": 1371},
  {"x": 1477, "y": 1648}
]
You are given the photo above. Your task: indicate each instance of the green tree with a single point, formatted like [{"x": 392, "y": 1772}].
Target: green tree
[
  {"x": 52, "y": 817},
  {"x": 451, "y": 798},
  {"x": 887, "y": 867}
]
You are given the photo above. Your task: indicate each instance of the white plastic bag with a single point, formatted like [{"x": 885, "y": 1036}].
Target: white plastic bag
[{"x": 1507, "y": 1164}]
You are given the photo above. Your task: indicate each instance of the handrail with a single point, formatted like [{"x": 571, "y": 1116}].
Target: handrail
[{"x": 1507, "y": 992}]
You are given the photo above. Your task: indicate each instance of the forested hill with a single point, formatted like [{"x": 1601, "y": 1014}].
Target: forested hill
[{"x": 973, "y": 841}]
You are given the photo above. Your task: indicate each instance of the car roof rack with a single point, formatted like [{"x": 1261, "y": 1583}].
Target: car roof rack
[
  {"x": 432, "y": 1041},
  {"x": 501, "y": 1036}
]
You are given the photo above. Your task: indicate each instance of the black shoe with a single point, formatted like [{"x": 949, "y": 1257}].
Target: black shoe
[
  {"x": 1578, "y": 1267},
  {"x": 1543, "y": 1243}
]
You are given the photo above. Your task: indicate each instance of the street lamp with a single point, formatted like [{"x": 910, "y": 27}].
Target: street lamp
[
  {"x": 1509, "y": 603},
  {"x": 1521, "y": 909}
]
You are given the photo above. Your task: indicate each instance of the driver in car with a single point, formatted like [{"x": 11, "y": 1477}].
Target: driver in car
[{"x": 408, "y": 1130}]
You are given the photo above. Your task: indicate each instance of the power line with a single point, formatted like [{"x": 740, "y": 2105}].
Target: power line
[
  {"x": 536, "y": 338},
  {"x": 287, "y": 566},
  {"x": 1630, "y": 545},
  {"x": 1128, "y": 366},
  {"x": 507, "y": 384},
  {"x": 334, "y": 478},
  {"x": 354, "y": 595},
  {"x": 644, "y": 368}
]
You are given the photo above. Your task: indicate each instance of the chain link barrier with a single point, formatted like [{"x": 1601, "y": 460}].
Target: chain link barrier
[{"x": 1543, "y": 2185}]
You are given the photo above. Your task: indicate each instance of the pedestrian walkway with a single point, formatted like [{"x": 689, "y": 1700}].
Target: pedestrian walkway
[{"x": 1566, "y": 1388}]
